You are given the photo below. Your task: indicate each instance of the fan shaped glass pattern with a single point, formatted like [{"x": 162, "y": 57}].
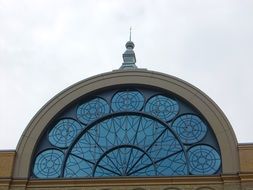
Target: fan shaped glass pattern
[{"x": 127, "y": 132}]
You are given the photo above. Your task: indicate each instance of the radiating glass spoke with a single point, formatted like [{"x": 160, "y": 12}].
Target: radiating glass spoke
[{"x": 145, "y": 151}]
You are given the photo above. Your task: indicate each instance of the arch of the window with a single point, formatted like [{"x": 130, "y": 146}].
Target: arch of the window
[
  {"x": 215, "y": 117},
  {"x": 186, "y": 110}
]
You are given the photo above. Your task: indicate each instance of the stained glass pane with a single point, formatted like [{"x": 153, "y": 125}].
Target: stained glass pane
[
  {"x": 163, "y": 107},
  {"x": 91, "y": 110},
  {"x": 166, "y": 145},
  {"x": 48, "y": 164},
  {"x": 174, "y": 165},
  {"x": 120, "y": 162},
  {"x": 204, "y": 160},
  {"x": 127, "y": 101},
  {"x": 64, "y": 132},
  {"x": 190, "y": 128},
  {"x": 76, "y": 166}
]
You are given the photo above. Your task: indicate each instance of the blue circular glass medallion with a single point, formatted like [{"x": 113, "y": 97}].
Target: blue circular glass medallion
[
  {"x": 127, "y": 101},
  {"x": 48, "y": 164},
  {"x": 190, "y": 128},
  {"x": 92, "y": 110},
  {"x": 204, "y": 160},
  {"x": 64, "y": 132},
  {"x": 163, "y": 107}
]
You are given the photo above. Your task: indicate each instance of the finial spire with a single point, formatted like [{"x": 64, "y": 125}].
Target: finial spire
[
  {"x": 129, "y": 55},
  {"x": 130, "y": 34}
]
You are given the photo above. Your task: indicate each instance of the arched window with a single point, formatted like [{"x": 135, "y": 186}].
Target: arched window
[{"x": 127, "y": 132}]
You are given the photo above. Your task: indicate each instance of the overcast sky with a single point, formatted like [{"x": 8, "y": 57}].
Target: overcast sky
[{"x": 45, "y": 46}]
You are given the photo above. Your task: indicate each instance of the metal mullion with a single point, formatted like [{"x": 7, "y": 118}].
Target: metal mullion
[
  {"x": 155, "y": 162},
  {"x": 134, "y": 141},
  {"x": 101, "y": 149},
  {"x": 147, "y": 150},
  {"x": 82, "y": 158}
]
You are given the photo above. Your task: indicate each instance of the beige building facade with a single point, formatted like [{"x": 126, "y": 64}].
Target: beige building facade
[{"x": 235, "y": 171}]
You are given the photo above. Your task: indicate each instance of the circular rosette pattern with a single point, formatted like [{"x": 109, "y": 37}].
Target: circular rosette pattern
[
  {"x": 48, "y": 164},
  {"x": 92, "y": 110},
  {"x": 64, "y": 132},
  {"x": 190, "y": 128},
  {"x": 127, "y": 101},
  {"x": 162, "y": 107},
  {"x": 204, "y": 160}
]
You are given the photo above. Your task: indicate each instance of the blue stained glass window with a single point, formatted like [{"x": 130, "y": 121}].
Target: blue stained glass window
[
  {"x": 64, "y": 132},
  {"x": 190, "y": 128},
  {"x": 91, "y": 110},
  {"x": 77, "y": 166},
  {"x": 175, "y": 165},
  {"x": 204, "y": 160},
  {"x": 48, "y": 164},
  {"x": 162, "y": 136},
  {"x": 127, "y": 101},
  {"x": 163, "y": 107}
]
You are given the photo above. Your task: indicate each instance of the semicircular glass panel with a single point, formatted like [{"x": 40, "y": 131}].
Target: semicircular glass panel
[
  {"x": 116, "y": 132},
  {"x": 163, "y": 107},
  {"x": 125, "y": 145}
]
